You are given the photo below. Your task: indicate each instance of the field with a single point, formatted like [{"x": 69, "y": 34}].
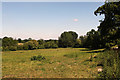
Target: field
[{"x": 59, "y": 63}]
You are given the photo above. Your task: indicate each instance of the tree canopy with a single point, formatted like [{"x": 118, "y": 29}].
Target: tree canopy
[
  {"x": 110, "y": 27},
  {"x": 68, "y": 39}
]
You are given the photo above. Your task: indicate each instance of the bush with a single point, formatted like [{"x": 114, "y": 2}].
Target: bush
[
  {"x": 12, "y": 48},
  {"x": 108, "y": 45},
  {"x": 37, "y": 58},
  {"x": 30, "y": 45},
  {"x": 41, "y": 46},
  {"x": 50, "y": 44},
  {"x": 9, "y": 48},
  {"x": 5, "y": 48},
  {"x": 25, "y": 47},
  {"x": 54, "y": 46},
  {"x": 20, "y": 47},
  {"x": 111, "y": 62},
  {"x": 47, "y": 45}
]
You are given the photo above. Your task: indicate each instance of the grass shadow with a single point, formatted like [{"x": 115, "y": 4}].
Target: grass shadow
[
  {"x": 85, "y": 50},
  {"x": 96, "y": 51}
]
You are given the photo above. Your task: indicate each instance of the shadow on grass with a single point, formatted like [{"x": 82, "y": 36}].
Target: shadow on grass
[
  {"x": 85, "y": 50},
  {"x": 96, "y": 51}
]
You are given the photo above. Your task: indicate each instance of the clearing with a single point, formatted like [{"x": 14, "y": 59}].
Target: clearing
[{"x": 59, "y": 63}]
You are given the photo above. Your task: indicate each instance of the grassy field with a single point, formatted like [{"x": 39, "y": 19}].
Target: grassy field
[{"x": 59, "y": 63}]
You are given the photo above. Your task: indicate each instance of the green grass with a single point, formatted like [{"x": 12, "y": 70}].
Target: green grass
[
  {"x": 111, "y": 61},
  {"x": 58, "y": 63}
]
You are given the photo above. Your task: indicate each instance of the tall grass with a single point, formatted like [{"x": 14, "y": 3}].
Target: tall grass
[{"x": 111, "y": 62}]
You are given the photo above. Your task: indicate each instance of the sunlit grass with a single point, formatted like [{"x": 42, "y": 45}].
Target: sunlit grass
[{"x": 56, "y": 65}]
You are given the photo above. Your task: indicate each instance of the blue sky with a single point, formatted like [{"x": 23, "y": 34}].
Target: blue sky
[{"x": 47, "y": 20}]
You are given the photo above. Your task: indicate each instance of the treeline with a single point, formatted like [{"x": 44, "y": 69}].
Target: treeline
[
  {"x": 92, "y": 40},
  {"x": 66, "y": 40},
  {"x": 10, "y": 44}
]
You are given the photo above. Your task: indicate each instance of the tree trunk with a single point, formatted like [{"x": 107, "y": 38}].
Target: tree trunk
[
  {"x": 118, "y": 47},
  {"x": 119, "y": 50}
]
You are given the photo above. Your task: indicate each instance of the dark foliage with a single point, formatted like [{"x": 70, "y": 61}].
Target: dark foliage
[
  {"x": 37, "y": 58},
  {"x": 67, "y": 39}
]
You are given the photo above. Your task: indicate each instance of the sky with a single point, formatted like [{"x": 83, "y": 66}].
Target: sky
[
  {"x": 47, "y": 20},
  {"x": 55, "y": 0}
]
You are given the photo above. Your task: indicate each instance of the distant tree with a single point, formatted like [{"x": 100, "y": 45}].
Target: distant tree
[
  {"x": 67, "y": 39},
  {"x": 41, "y": 41},
  {"x": 47, "y": 45},
  {"x": 30, "y": 45},
  {"x": 19, "y": 40},
  {"x": 0, "y": 43},
  {"x": 8, "y": 42},
  {"x": 25, "y": 40},
  {"x": 50, "y": 44},
  {"x": 29, "y": 39},
  {"x": 78, "y": 44},
  {"x": 12, "y": 48},
  {"x": 83, "y": 40},
  {"x": 20, "y": 47},
  {"x": 93, "y": 40}
]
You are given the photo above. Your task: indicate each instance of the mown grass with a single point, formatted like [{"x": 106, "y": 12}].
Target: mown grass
[{"x": 58, "y": 63}]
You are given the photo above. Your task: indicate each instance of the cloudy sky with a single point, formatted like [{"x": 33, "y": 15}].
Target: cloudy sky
[{"x": 47, "y": 20}]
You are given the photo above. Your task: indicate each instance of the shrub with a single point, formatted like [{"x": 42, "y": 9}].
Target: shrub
[
  {"x": 12, "y": 48},
  {"x": 50, "y": 44},
  {"x": 111, "y": 62},
  {"x": 107, "y": 45},
  {"x": 9, "y": 48},
  {"x": 41, "y": 46},
  {"x": 37, "y": 58},
  {"x": 54, "y": 46},
  {"x": 5, "y": 48},
  {"x": 25, "y": 47},
  {"x": 30, "y": 45},
  {"x": 20, "y": 47}
]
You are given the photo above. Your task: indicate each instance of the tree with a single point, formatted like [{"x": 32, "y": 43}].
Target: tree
[
  {"x": 25, "y": 40},
  {"x": 83, "y": 40},
  {"x": 41, "y": 41},
  {"x": 50, "y": 44},
  {"x": 0, "y": 42},
  {"x": 20, "y": 47},
  {"x": 8, "y": 43},
  {"x": 110, "y": 31},
  {"x": 30, "y": 45},
  {"x": 78, "y": 43},
  {"x": 93, "y": 40},
  {"x": 110, "y": 27},
  {"x": 29, "y": 39},
  {"x": 19, "y": 40},
  {"x": 67, "y": 39}
]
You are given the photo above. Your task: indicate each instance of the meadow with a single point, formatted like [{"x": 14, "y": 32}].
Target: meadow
[{"x": 58, "y": 63}]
